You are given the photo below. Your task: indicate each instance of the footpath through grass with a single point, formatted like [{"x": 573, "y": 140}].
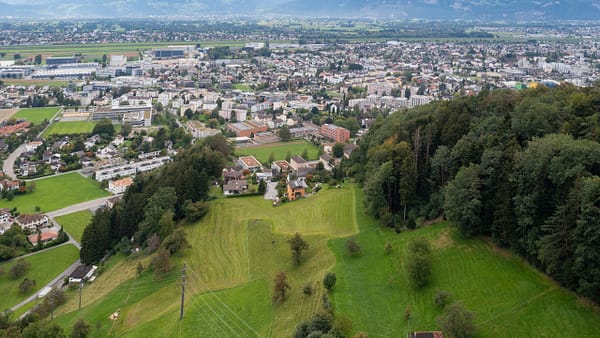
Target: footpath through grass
[
  {"x": 279, "y": 150},
  {"x": 55, "y": 193},
  {"x": 45, "y": 266},
  {"x": 37, "y": 115},
  {"x": 67, "y": 128},
  {"x": 74, "y": 223}
]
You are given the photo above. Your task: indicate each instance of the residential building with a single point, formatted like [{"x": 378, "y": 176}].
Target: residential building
[
  {"x": 32, "y": 222},
  {"x": 235, "y": 187},
  {"x": 119, "y": 186},
  {"x": 5, "y": 215},
  {"x": 250, "y": 163},
  {"x": 338, "y": 134},
  {"x": 296, "y": 189},
  {"x": 199, "y": 129},
  {"x": 42, "y": 237}
]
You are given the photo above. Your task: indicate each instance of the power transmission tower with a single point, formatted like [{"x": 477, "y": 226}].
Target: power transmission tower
[{"x": 182, "y": 291}]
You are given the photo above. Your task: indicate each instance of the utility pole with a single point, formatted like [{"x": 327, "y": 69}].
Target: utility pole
[
  {"x": 52, "y": 307},
  {"x": 80, "y": 290},
  {"x": 182, "y": 291}
]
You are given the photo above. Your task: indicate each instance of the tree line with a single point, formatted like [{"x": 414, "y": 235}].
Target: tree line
[
  {"x": 521, "y": 167},
  {"x": 152, "y": 206}
]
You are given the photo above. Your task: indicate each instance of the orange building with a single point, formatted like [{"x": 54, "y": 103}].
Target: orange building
[
  {"x": 296, "y": 189},
  {"x": 338, "y": 134}
]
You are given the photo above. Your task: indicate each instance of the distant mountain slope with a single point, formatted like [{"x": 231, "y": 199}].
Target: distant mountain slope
[
  {"x": 450, "y": 9},
  {"x": 428, "y": 9}
]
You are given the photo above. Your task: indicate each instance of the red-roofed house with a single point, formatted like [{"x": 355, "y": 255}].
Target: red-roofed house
[{"x": 43, "y": 237}]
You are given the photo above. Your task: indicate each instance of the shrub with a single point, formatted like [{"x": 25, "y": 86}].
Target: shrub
[
  {"x": 441, "y": 298},
  {"x": 353, "y": 247},
  {"x": 19, "y": 269},
  {"x": 457, "y": 322},
  {"x": 308, "y": 290},
  {"x": 329, "y": 280}
]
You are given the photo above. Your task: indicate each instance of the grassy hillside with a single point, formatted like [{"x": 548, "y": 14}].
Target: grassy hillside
[{"x": 241, "y": 244}]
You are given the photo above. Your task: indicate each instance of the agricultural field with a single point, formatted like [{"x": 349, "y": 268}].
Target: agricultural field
[
  {"x": 242, "y": 242},
  {"x": 45, "y": 266},
  {"x": 73, "y": 127},
  {"x": 74, "y": 223},
  {"x": 37, "y": 115},
  {"x": 55, "y": 193},
  {"x": 279, "y": 150}
]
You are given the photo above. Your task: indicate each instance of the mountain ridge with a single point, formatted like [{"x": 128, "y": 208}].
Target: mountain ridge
[{"x": 508, "y": 10}]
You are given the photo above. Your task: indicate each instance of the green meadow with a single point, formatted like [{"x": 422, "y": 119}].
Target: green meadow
[
  {"x": 55, "y": 193},
  {"x": 45, "y": 266},
  {"x": 242, "y": 243},
  {"x": 74, "y": 223}
]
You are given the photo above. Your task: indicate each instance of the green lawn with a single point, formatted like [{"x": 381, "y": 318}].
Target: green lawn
[
  {"x": 74, "y": 127},
  {"x": 75, "y": 223},
  {"x": 45, "y": 266},
  {"x": 35, "y": 82},
  {"x": 55, "y": 193},
  {"x": 241, "y": 243},
  {"x": 37, "y": 115},
  {"x": 243, "y": 87},
  {"x": 280, "y": 150}
]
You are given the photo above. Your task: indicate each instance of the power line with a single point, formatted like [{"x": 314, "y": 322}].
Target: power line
[
  {"x": 216, "y": 315},
  {"x": 225, "y": 305}
]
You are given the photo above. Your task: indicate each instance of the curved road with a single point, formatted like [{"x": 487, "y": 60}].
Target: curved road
[{"x": 58, "y": 280}]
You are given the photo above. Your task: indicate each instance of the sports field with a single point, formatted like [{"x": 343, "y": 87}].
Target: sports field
[
  {"x": 67, "y": 128},
  {"x": 279, "y": 150},
  {"x": 55, "y": 193},
  {"x": 37, "y": 115}
]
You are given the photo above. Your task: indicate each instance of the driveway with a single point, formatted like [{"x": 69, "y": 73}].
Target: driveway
[{"x": 271, "y": 191}]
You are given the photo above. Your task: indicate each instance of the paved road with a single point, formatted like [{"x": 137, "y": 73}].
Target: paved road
[
  {"x": 89, "y": 205},
  {"x": 9, "y": 164},
  {"x": 56, "y": 282}
]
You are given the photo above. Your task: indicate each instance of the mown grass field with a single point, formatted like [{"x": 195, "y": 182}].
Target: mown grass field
[
  {"x": 37, "y": 115},
  {"x": 55, "y": 193},
  {"x": 74, "y": 223},
  {"x": 279, "y": 150},
  {"x": 45, "y": 266},
  {"x": 239, "y": 246},
  {"x": 73, "y": 127}
]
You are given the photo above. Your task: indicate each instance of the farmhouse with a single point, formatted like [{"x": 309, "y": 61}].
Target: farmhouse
[
  {"x": 83, "y": 273},
  {"x": 43, "y": 237},
  {"x": 32, "y": 222}
]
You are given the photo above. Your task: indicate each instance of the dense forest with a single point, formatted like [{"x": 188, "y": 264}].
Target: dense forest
[
  {"x": 521, "y": 167},
  {"x": 156, "y": 201}
]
